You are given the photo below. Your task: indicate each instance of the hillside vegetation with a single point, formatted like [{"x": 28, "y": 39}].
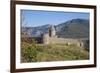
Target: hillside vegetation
[{"x": 32, "y": 52}]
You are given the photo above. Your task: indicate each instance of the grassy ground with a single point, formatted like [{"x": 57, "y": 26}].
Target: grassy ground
[{"x": 52, "y": 52}]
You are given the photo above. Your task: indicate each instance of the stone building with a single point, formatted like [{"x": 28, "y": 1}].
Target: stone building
[{"x": 51, "y": 38}]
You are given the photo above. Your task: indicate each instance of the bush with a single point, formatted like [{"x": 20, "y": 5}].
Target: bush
[
  {"x": 52, "y": 52},
  {"x": 29, "y": 54}
]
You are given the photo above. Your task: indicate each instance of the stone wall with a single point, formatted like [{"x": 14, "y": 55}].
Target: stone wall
[
  {"x": 51, "y": 38},
  {"x": 54, "y": 40}
]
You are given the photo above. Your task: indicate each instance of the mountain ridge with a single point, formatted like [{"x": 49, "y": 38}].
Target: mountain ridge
[{"x": 75, "y": 28}]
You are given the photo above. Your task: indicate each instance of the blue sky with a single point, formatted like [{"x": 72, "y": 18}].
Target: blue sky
[{"x": 33, "y": 18}]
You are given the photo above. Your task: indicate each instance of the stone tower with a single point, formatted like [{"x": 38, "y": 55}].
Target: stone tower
[
  {"x": 51, "y": 34},
  {"x": 52, "y": 31}
]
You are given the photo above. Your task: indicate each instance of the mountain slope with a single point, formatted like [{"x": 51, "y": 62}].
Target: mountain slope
[{"x": 76, "y": 28}]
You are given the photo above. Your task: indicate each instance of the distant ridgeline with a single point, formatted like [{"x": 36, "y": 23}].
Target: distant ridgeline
[{"x": 75, "y": 31}]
